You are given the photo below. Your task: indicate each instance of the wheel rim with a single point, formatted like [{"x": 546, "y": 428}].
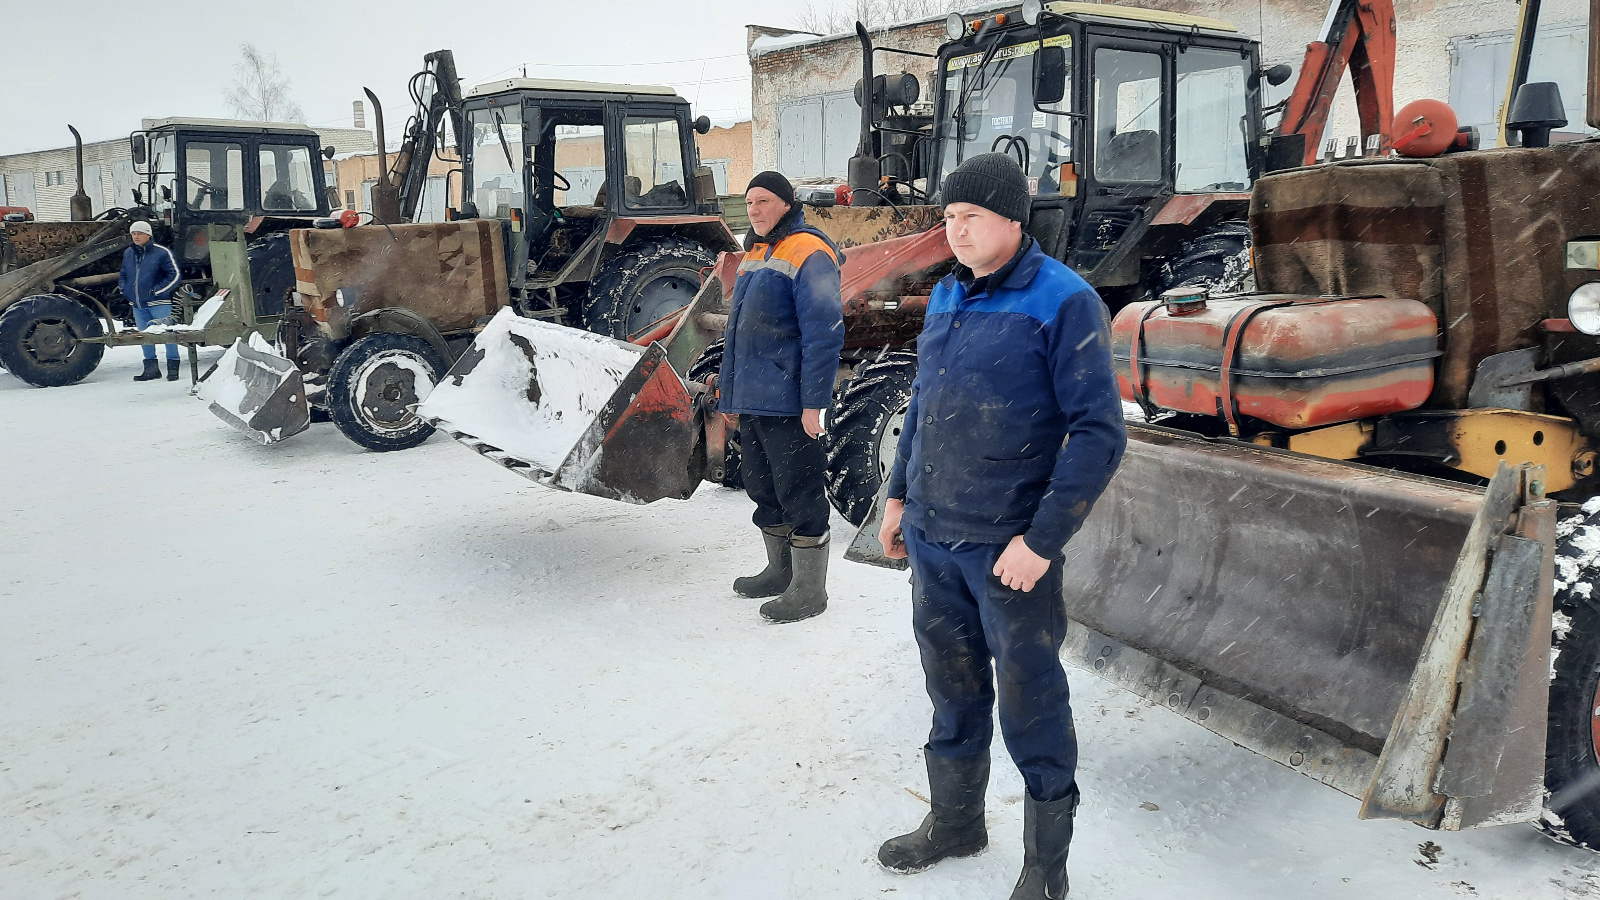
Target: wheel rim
[
  {"x": 50, "y": 341},
  {"x": 388, "y": 388},
  {"x": 666, "y": 293},
  {"x": 889, "y": 442}
]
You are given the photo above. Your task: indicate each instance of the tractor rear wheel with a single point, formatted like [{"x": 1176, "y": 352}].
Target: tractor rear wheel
[
  {"x": 643, "y": 283},
  {"x": 271, "y": 273},
  {"x": 375, "y": 386},
  {"x": 1572, "y": 742},
  {"x": 1219, "y": 259},
  {"x": 41, "y": 340},
  {"x": 864, "y": 426},
  {"x": 704, "y": 366}
]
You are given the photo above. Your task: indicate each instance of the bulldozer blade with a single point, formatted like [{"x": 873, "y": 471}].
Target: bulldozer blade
[
  {"x": 257, "y": 392},
  {"x": 573, "y": 410},
  {"x": 1385, "y": 634}
]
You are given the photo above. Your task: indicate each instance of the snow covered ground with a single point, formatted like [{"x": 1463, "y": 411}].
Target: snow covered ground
[{"x": 309, "y": 670}]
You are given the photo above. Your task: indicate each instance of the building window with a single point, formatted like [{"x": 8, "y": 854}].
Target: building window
[
  {"x": 349, "y": 199},
  {"x": 55, "y": 178}
]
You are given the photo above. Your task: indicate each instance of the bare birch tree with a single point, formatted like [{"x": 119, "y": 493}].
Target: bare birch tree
[
  {"x": 840, "y": 16},
  {"x": 260, "y": 91}
]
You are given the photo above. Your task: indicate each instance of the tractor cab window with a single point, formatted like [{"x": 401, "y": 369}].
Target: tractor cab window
[
  {"x": 163, "y": 175},
  {"x": 1212, "y": 122},
  {"x": 653, "y": 175},
  {"x": 497, "y": 154},
  {"x": 1128, "y": 128},
  {"x": 999, "y": 113},
  {"x": 286, "y": 179},
  {"x": 581, "y": 160},
  {"x": 213, "y": 175}
]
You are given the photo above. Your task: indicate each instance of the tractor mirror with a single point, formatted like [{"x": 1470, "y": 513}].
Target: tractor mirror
[
  {"x": 1279, "y": 73},
  {"x": 327, "y": 152},
  {"x": 136, "y": 142},
  {"x": 702, "y": 125},
  {"x": 1049, "y": 75}
]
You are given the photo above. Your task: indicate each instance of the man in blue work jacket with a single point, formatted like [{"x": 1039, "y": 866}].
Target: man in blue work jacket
[
  {"x": 149, "y": 275},
  {"x": 1013, "y": 431},
  {"x": 781, "y": 352}
]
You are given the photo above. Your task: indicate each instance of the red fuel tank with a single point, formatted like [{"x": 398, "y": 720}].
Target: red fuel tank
[{"x": 1292, "y": 361}]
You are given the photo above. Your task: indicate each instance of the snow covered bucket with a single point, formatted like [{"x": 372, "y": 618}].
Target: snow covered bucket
[
  {"x": 573, "y": 410},
  {"x": 257, "y": 392}
]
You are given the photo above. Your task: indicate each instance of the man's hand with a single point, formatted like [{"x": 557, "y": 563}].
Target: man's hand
[
  {"x": 894, "y": 544},
  {"x": 811, "y": 421},
  {"x": 1018, "y": 568}
]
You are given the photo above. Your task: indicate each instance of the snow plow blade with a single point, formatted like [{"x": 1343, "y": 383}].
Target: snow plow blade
[
  {"x": 1385, "y": 634},
  {"x": 574, "y": 411},
  {"x": 257, "y": 392}
]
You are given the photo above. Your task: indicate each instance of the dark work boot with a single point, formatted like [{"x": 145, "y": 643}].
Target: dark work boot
[
  {"x": 1046, "y": 832},
  {"x": 807, "y": 593},
  {"x": 152, "y": 371},
  {"x": 775, "y": 577},
  {"x": 955, "y": 826},
  {"x": 172, "y": 370}
]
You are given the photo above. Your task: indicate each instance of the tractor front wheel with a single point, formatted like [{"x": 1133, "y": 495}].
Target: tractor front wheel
[
  {"x": 705, "y": 365},
  {"x": 41, "y": 340},
  {"x": 1218, "y": 259},
  {"x": 864, "y": 427},
  {"x": 375, "y": 386}
]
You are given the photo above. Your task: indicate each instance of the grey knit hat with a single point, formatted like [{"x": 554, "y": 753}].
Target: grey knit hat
[{"x": 993, "y": 181}]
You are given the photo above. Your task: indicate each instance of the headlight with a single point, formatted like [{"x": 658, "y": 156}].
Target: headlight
[
  {"x": 955, "y": 27},
  {"x": 1032, "y": 10},
  {"x": 1583, "y": 308}
]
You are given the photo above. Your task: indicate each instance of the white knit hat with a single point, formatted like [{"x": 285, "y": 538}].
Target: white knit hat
[{"x": 140, "y": 228}]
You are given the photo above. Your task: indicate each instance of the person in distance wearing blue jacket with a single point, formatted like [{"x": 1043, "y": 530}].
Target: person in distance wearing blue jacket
[
  {"x": 781, "y": 352},
  {"x": 1014, "y": 429},
  {"x": 149, "y": 276}
]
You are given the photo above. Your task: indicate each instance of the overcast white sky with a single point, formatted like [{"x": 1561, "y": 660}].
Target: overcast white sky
[{"x": 104, "y": 65}]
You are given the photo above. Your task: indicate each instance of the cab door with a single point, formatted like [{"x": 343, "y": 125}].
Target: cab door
[
  {"x": 1128, "y": 153},
  {"x": 649, "y": 170},
  {"x": 215, "y": 186}
]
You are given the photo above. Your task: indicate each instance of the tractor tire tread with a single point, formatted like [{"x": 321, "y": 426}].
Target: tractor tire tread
[
  {"x": 605, "y": 310},
  {"x": 861, "y": 410},
  {"x": 83, "y": 359},
  {"x": 341, "y": 391}
]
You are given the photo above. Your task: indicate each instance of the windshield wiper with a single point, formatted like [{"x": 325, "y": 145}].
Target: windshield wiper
[
  {"x": 966, "y": 93},
  {"x": 505, "y": 147}
]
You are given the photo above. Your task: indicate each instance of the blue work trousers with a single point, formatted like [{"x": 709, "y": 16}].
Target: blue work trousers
[
  {"x": 144, "y": 315},
  {"x": 980, "y": 641}
]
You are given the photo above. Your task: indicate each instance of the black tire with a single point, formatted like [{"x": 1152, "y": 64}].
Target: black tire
[
  {"x": 644, "y": 282},
  {"x": 373, "y": 390},
  {"x": 864, "y": 430},
  {"x": 271, "y": 273},
  {"x": 705, "y": 365},
  {"x": 1572, "y": 742},
  {"x": 41, "y": 340},
  {"x": 1218, "y": 259}
]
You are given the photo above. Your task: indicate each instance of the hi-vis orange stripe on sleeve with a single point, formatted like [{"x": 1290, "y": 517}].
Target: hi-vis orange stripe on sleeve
[{"x": 793, "y": 250}]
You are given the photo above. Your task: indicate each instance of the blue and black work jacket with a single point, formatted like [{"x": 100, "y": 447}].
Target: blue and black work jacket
[
  {"x": 1015, "y": 424},
  {"x": 149, "y": 275},
  {"x": 786, "y": 325}
]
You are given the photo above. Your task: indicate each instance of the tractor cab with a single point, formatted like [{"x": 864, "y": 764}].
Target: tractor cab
[
  {"x": 578, "y": 171},
  {"x": 202, "y": 172},
  {"x": 1121, "y": 118}
]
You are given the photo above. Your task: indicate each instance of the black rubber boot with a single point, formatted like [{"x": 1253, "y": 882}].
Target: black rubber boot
[
  {"x": 1046, "y": 833},
  {"x": 775, "y": 577},
  {"x": 955, "y": 825},
  {"x": 172, "y": 370},
  {"x": 807, "y": 593},
  {"x": 152, "y": 371}
]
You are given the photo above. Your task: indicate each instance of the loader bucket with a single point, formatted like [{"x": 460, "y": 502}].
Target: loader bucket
[
  {"x": 573, "y": 410},
  {"x": 257, "y": 392},
  {"x": 1385, "y": 634}
]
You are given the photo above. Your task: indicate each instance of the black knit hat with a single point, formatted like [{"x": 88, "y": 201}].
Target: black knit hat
[
  {"x": 775, "y": 183},
  {"x": 993, "y": 181}
]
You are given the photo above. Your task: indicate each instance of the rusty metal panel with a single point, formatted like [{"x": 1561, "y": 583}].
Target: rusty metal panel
[
  {"x": 452, "y": 273},
  {"x": 36, "y": 241}
]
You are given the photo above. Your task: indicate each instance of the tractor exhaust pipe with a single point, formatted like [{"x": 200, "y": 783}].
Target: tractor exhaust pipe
[
  {"x": 82, "y": 207},
  {"x": 385, "y": 196},
  {"x": 865, "y": 169}
]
